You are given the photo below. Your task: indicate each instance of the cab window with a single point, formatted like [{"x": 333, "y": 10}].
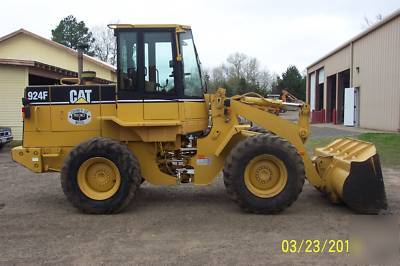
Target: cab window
[
  {"x": 158, "y": 63},
  {"x": 191, "y": 72},
  {"x": 127, "y": 61}
]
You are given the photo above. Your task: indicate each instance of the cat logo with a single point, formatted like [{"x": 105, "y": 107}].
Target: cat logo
[{"x": 80, "y": 96}]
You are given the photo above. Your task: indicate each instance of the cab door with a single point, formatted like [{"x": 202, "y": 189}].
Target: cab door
[{"x": 160, "y": 88}]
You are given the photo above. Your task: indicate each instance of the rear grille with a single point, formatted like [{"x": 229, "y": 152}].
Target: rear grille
[{"x": 5, "y": 134}]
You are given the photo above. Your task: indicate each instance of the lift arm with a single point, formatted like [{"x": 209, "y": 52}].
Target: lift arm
[{"x": 296, "y": 133}]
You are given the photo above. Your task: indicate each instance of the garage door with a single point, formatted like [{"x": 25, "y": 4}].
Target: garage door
[{"x": 13, "y": 80}]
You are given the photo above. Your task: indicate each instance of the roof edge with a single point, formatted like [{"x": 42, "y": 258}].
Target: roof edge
[
  {"x": 146, "y": 26},
  {"x": 53, "y": 43},
  {"x": 372, "y": 28},
  {"x": 38, "y": 64},
  {"x": 16, "y": 62}
]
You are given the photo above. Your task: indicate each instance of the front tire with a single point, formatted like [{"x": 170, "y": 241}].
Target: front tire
[
  {"x": 264, "y": 174},
  {"x": 100, "y": 176},
  {"x": 258, "y": 129}
]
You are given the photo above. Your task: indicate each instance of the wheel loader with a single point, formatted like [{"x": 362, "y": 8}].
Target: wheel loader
[{"x": 159, "y": 125}]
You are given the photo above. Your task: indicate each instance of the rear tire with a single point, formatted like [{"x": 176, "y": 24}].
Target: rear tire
[
  {"x": 100, "y": 176},
  {"x": 274, "y": 192},
  {"x": 258, "y": 129}
]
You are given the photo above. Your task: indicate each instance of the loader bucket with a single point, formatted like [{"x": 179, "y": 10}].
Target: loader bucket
[{"x": 352, "y": 174}]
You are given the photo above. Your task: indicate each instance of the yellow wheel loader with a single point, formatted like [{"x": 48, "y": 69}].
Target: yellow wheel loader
[{"x": 158, "y": 124}]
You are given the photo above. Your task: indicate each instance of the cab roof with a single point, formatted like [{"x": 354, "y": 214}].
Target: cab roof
[{"x": 148, "y": 26}]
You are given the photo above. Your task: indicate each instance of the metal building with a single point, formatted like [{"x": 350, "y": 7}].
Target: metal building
[
  {"x": 29, "y": 59},
  {"x": 358, "y": 83}
]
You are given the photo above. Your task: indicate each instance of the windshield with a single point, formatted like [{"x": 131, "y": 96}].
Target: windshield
[{"x": 192, "y": 79}]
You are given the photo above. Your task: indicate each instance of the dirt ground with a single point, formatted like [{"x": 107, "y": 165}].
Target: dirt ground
[{"x": 180, "y": 225}]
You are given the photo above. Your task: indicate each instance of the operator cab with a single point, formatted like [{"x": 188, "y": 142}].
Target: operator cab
[{"x": 157, "y": 62}]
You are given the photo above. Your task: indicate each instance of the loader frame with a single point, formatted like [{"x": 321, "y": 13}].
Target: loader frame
[{"x": 58, "y": 119}]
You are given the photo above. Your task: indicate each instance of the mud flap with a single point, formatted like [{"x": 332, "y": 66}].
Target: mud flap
[{"x": 364, "y": 190}]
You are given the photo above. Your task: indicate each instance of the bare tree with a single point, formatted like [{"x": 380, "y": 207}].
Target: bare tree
[
  {"x": 236, "y": 61},
  {"x": 241, "y": 74},
  {"x": 251, "y": 70},
  {"x": 266, "y": 80},
  {"x": 105, "y": 46}
]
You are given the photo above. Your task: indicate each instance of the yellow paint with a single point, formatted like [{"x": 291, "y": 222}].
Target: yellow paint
[
  {"x": 53, "y": 138},
  {"x": 99, "y": 178},
  {"x": 60, "y": 113},
  {"x": 194, "y": 110},
  {"x": 207, "y": 164},
  {"x": 283, "y": 128},
  {"x": 146, "y": 154},
  {"x": 28, "y": 157},
  {"x": 333, "y": 162},
  {"x": 155, "y": 131},
  {"x": 81, "y": 100},
  {"x": 265, "y": 176},
  {"x": 161, "y": 111},
  {"x": 48, "y": 127},
  {"x": 40, "y": 119}
]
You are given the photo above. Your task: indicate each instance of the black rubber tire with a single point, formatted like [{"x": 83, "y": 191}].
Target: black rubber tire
[
  {"x": 121, "y": 156},
  {"x": 258, "y": 129},
  {"x": 246, "y": 150}
]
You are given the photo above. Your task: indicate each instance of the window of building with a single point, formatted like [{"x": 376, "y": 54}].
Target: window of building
[{"x": 320, "y": 90}]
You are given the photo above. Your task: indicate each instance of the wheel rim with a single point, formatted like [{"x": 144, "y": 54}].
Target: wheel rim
[
  {"x": 99, "y": 178},
  {"x": 265, "y": 176}
]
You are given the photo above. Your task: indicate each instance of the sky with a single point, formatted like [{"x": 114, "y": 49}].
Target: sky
[{"x": 278, "y": 33}]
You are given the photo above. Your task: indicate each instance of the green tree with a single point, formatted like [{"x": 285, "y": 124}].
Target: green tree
[
  {"x": 293, "y": 82},
  {"x": 73, "y": 34}
]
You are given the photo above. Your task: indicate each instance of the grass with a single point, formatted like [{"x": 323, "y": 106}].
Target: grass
[{"x": 387, "y": 145}]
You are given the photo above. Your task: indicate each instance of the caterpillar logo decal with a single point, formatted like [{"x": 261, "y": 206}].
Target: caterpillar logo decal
[
  {"x": 79, "y": 116},
  {"x": 80, "y": 96},
  {"x": 70, "y": 94}
]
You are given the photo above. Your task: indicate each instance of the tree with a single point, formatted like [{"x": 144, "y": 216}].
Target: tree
[
  {"x": 105, "y": 45},
  {"x": 73, "y": 34},
  {"x": 368, "y": 22},
  {"x": 240, "y": 74},
  {"x": 236, "y": 61},
  {"x": 293, "y": 82}
]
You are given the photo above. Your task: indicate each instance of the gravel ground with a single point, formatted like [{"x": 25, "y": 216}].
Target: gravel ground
[
  {"x": 323, "y": 132},
  {"x": 179, "y": 225},
  {"x": 327, "y": 130}
]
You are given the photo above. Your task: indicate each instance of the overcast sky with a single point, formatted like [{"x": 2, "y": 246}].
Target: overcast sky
[{"x": 278, "y": 33}]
